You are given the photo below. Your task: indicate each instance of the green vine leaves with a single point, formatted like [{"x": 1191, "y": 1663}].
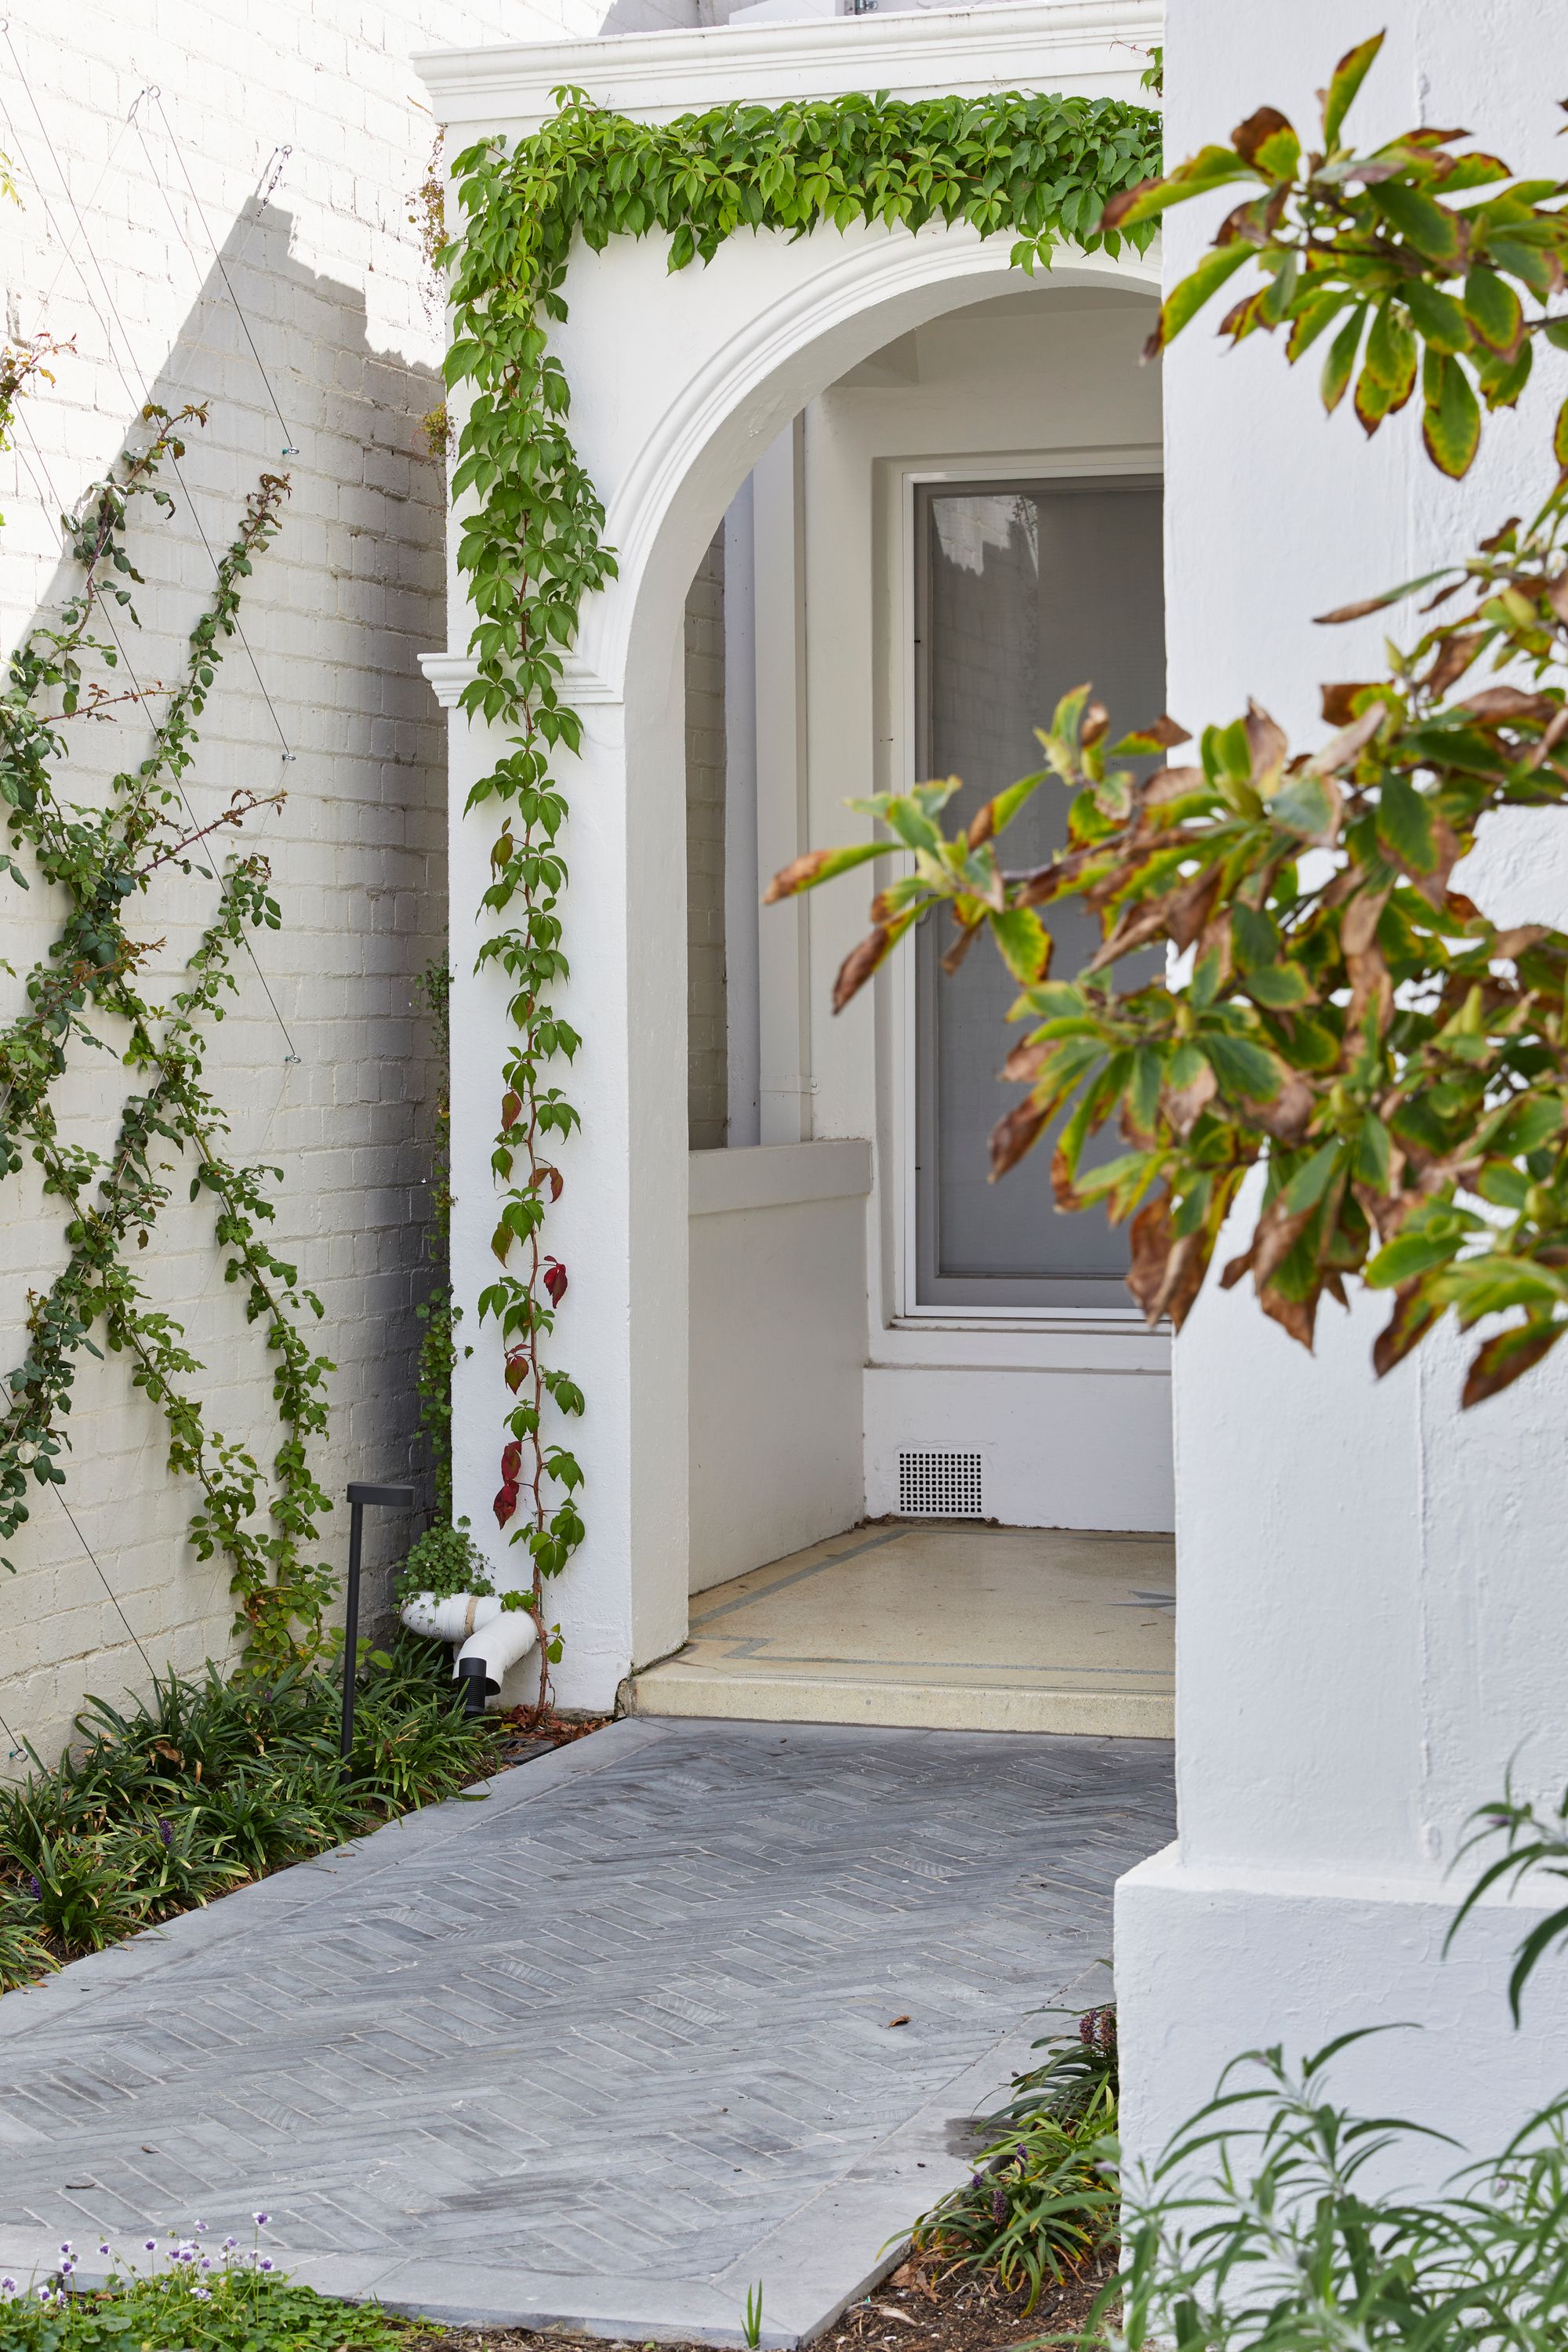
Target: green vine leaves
[
  {"x": 1421, "y": 261},
  {"x": 530, "y": 548},
  {"x": 101, "y": 858},
  {"x": 1339, "y": 1014}
]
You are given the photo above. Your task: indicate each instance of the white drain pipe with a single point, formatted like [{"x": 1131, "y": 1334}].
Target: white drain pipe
[{"x": 480, "y": 1624}]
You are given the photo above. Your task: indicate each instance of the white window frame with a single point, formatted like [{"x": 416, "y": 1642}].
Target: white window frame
[{"x": 909, "y": 1310}]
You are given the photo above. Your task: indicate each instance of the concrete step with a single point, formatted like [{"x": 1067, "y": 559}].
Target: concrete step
[{"x": 685, "y": 1686}]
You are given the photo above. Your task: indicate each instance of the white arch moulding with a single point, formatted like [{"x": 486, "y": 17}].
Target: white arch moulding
[{"x": 679, "y": 384}]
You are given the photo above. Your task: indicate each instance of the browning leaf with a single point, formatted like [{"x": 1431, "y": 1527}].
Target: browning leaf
[
  {"x": 1248, "y": 136},
  {"x": 1267, "y": 741},
  {"x": 1500, "y": 702},
  {"x": 1342, "y": 750},
  {"x": 1289, "y": 1115},
  {"x": 1502, "y": 1359},
  {"x": 1187, "y": 910},
  {"x": 1013, "y": 1135},
  {"x": 1407, "y": 1326},
  {"x": 1297, "y": 1316},
  {"x": 859, "y": 964},
  {"x": 1337, "y": 700},
  {"x": 1172, "y": 785},
  {"x": 1358, "y": 924},
  {"x": 1166, "y": 1275},
  {"x": 1025, "y": 1063},
  {"x": 1455, "y": 656},
  {"x": 967, "y": 935},
  {"x": 1184, "y": 1105}
]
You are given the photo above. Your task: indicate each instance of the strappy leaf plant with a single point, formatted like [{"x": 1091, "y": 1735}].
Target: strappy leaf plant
[{"x": 1333, "y": 1012}]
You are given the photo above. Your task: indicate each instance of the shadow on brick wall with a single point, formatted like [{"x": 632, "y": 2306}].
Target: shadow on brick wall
[{"x": 325, "y": 1065}]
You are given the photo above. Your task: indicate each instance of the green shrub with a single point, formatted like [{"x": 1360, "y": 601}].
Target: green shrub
[
  {"x": 208, "y": 1783},
  {"x": 1038, "y": 2204},
  {"x": 1284, "y": 2247}
]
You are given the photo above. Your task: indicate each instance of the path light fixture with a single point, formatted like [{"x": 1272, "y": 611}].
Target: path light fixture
[{"x": 392, "y": 1499}]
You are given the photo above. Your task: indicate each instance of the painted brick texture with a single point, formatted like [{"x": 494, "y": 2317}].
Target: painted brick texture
[{"x": 276, "y": 165}]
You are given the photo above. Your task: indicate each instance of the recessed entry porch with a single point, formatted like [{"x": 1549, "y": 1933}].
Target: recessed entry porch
[{"x": 944, "y": 1625}]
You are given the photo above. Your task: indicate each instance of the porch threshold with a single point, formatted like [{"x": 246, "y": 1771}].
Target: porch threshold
[{"x": 944, "y": 1626}]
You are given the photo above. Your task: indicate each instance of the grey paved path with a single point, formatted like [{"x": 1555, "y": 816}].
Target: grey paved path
[{"x": 604, "y": 2049}]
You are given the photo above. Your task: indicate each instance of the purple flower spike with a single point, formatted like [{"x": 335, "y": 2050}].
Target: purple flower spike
[
  {"x": 166, "y": 1832},
  {"x": 37, "y": 1886}
]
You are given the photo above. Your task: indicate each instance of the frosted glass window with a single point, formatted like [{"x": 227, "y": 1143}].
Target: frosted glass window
[{"x": 1026, "y": 591}]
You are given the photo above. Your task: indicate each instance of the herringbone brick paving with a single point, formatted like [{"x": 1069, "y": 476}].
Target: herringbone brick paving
[{"x": 619, "y": 2021}]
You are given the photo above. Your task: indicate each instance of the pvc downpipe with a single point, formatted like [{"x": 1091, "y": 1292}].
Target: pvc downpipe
[{"x": 481, "y": 1627}]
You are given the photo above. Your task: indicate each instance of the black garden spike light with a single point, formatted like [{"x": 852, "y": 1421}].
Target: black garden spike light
[{"x": 392, "y": 1499}]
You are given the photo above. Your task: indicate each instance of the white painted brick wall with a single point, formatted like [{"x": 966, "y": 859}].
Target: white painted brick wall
[{"x": 331, "y": 277}]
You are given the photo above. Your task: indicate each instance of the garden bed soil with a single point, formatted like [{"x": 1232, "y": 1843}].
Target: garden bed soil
[{"x": 923, "y": 2307}]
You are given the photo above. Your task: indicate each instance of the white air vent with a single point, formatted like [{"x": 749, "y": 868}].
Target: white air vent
[{"x": 940, "y": 1487}]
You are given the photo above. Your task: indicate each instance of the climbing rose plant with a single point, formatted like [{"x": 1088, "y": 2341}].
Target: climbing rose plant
[
  {"x": 1394, "y": 1063},
  {"x": 1038, "y": 168}
]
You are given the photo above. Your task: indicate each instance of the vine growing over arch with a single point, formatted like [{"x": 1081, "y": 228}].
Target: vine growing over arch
[{"x": 1038, "y": 167}]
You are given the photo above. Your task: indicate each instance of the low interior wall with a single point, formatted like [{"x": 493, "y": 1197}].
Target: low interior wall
[{"x": 778, "y": 1351}]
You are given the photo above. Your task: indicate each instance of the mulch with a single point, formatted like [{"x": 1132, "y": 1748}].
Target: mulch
[
  {"x": 524, "y": 1740},
  {"x": 923, "y": 2307}
]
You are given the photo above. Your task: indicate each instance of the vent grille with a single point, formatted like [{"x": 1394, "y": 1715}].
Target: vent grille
[{"x": 940, "y": 1487}]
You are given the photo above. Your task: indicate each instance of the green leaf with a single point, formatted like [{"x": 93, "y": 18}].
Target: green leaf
[
  {"x": 1242, "y": 1067},
  {"x": 1560, "y": 439},
  {"x": 1279, "y": 986},
  {"x": 1187, "y": 299},
  {"x": 1404, "y": 825},
  {"x": 1340, "y": 362},
  {"x": 1345, "y": 80},
  {"x": 1493, "y": 309},
  {"x": 1024, "y": 942},
  {"x": 1432, "y": 231},
  {"x": 1310, "y": 1183},
  {"x": 1438, "y": 319},
  {"x": 1451, "y": 426},
  {"x": 1305, "y": 806}
]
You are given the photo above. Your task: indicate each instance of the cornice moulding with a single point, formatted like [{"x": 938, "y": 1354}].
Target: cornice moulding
[
  {"x": 1088, "y": 45},
  {"x": 448, "y": 674}
]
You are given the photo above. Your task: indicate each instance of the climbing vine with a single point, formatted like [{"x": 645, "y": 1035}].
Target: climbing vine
[
  {"x": 99, "y": 858},
  {"x": 1039, "y": 168}
]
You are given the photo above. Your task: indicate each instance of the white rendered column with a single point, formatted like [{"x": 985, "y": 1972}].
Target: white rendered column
[
  {"x": 1372, "y": 1592},
  {"x": 620, "y": 1227}
]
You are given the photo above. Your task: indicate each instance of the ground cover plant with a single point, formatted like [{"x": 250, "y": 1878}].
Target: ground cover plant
[
  {"x": 1039, "y": 2207},
  {"x": 191, "y": 2295},
  {"x": 183, "y": 1796}
]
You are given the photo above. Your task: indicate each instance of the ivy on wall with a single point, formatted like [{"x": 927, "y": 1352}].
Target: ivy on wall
[
  {"x": 99, "y": 858},
  {"x": 1036, "y": 167}
]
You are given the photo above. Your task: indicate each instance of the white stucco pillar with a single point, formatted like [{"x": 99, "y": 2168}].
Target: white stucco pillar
[
  {"x": 620, "y": 1227},
  {"x": 1372, "y": 1613}
]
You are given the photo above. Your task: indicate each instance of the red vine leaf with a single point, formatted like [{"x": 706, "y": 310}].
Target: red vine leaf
[{"x": 555, "y": 1280}]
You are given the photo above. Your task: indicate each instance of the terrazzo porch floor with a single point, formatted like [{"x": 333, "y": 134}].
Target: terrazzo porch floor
[
  {"x": 949, "y": 1623},
  {"x": 679, "y": 2008}
]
